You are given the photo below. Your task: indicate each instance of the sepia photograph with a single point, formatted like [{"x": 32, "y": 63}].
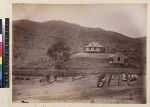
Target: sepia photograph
[{"x": 79, "y": 53}]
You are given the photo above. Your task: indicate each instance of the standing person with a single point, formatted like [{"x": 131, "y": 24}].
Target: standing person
[
  {"x": 101, "y": 80},
  {"x": 109, "y": 80}
]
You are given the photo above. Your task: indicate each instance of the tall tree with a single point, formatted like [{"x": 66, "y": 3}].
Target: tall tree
[{"x": 60, "y": 53}]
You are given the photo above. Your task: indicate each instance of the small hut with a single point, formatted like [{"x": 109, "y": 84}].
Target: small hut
[{"x": 119, "y": 58}]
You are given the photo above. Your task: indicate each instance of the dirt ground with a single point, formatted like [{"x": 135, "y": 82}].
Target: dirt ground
[{"x": 79, "y": 89}]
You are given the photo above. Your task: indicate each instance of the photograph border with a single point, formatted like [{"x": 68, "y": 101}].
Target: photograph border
[
  {"x": 89, "y": 2},
  {"x": 8, "y": 92}
]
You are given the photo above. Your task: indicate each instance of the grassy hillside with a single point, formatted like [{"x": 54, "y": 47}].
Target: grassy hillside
[{"x": 32, "y": 39}]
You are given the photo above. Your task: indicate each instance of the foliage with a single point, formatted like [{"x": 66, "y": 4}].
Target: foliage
[{"x": 60, "y": 53}]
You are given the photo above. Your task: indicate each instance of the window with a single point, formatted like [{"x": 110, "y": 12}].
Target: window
[
  {"x": 89, "y": 48},
  {"x": 125, "y": 60},
  {"x": 111, "y": 60},
  {"x": 94, "y": 48},
  {"x": 118, "y": 58}
]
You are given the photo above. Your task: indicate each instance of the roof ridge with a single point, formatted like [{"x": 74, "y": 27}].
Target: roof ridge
[{"x": 93, "y": 44}]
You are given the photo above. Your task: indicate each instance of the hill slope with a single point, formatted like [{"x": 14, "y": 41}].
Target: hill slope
[{"x": 32, "y": 39}]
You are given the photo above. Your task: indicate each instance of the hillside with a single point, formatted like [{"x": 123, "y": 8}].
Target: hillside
[{"x": 32, "y": 39}]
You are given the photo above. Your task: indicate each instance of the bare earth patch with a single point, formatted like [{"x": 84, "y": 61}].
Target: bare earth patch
[{"x": 81, "y": 89}]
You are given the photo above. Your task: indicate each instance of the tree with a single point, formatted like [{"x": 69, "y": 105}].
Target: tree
[{"x": 60, "y": 53}]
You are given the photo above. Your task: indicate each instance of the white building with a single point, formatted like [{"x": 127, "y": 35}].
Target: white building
[{"x": 94, "y": 47}]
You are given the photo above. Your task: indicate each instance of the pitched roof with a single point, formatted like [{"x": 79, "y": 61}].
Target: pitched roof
[
  {"x": 93, "y": 44},
  {"x": 91, "y": 55},
  {"x": 118, "y": 54}
]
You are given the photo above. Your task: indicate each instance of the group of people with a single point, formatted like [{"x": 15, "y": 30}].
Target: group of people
[
  {"x": 102, "y": 80},
  {"x": 106, "y": 78}
]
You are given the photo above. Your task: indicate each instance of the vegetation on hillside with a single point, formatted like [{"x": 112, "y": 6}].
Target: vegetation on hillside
[{"x": 32, "y": 39}]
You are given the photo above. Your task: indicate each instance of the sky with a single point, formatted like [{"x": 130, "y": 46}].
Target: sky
[{"x": 127, "y": 19}]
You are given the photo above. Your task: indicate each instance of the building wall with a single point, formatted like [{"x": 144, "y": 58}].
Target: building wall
[
  {"x": 95, "y": 49},
  {"x": 119, "y": 59}
]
